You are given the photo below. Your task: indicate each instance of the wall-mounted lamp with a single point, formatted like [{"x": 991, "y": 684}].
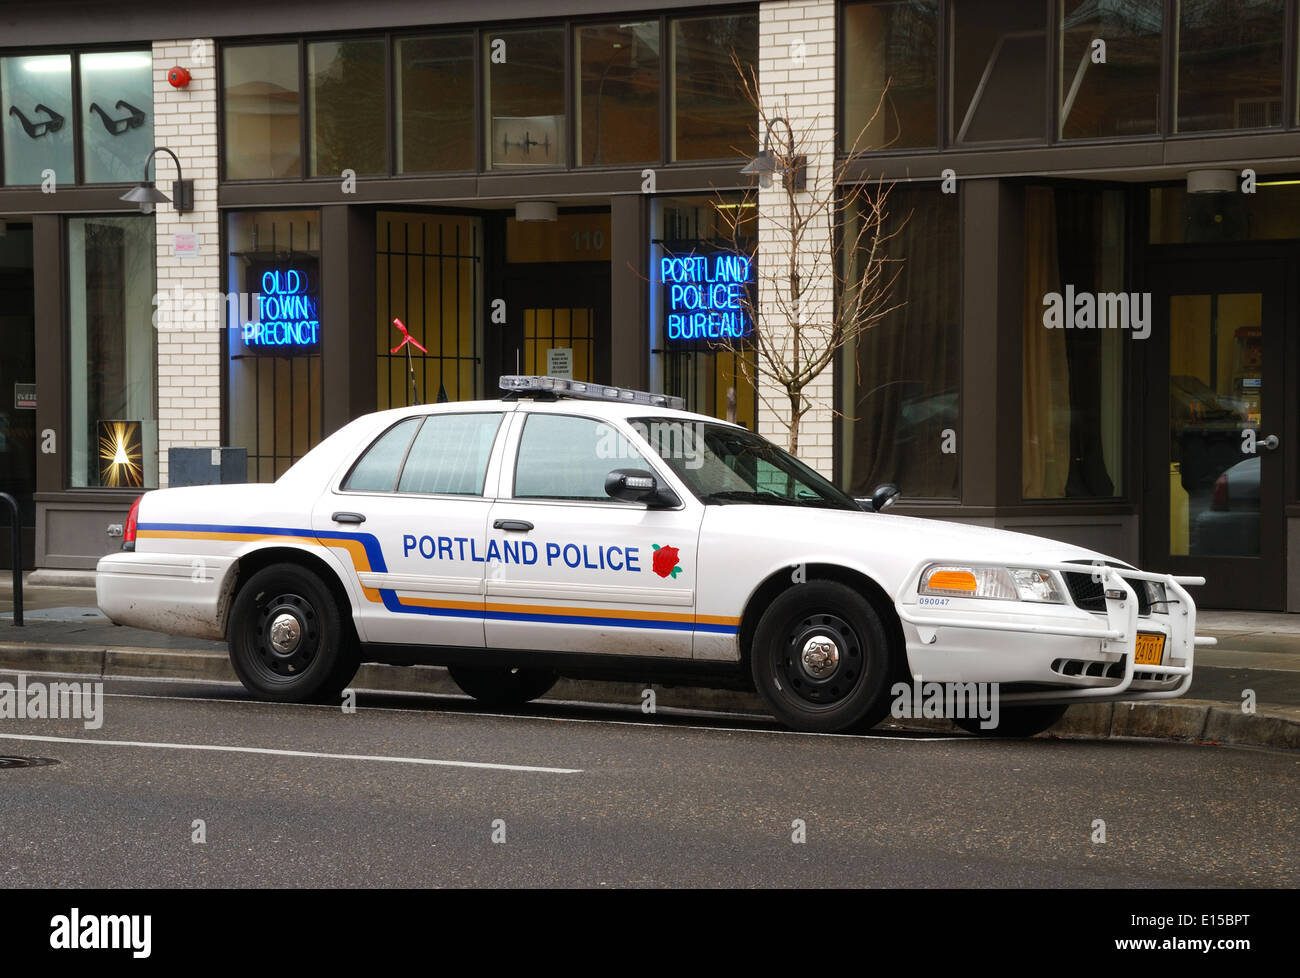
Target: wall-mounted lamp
[
  {"x": 147, "y": 195},
  {"x": 530, "y": 211},
  {"x": 1211, "y": 181},
  {"x": 764, "y": 165}
]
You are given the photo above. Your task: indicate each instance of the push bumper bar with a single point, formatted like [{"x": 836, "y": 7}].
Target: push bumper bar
[{"x": 1121, "y": 628}]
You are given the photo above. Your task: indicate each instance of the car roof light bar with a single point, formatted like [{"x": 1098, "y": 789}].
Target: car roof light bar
[{"x": 516, "y": 385}]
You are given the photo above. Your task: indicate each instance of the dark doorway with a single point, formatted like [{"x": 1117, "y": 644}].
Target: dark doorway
[
  {"x": 1216, "y": 429},
  {"x": 554, "y": 307},
  {"x": 17, "y": 386}
]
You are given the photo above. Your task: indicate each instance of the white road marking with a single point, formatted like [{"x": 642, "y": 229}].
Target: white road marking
[{"x": 293, "y": 753}]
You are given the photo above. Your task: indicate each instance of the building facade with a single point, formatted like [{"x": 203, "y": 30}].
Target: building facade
[{"x": 1094, "y": 217}]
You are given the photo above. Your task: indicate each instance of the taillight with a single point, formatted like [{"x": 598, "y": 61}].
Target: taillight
[
  {"x": 1220, "y": 498},
  {"x": 128, "y": 532}
]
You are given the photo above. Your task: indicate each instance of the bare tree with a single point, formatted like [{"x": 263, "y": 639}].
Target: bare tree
[{"x": 830, "y": 275}]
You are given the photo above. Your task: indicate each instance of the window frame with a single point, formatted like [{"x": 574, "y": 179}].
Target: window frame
[
  {"x": 478, "y": 33},
  {"x": 75, "y": 52},
  {"x": 620, "y": 426},
  {"x": 423, "y": 419}
]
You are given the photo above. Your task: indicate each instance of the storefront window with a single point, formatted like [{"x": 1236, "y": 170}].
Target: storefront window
[
  {"x": 435, "y": 103},
  {"x": 1110, "y": 68},
  {"x": 618, "y": 105},
  {"x": 112, "y": 352},
  {"x": 525, "y": 98},
  {"x": 428, "y": 274},
  {"x": 901, "y": 380},
  {"x": 1229, "y": 66},
  {"x": 273, "y": 338},
  {"x": 262, "y": 106},
  {"x": 348, "y": 107},
  {"x": 36, "y": 100},
  {"x": 1077, "y": 320},
  {"x": 999, "y": 70},
  {"x": 714, "y": 379},
  {"x": 893, "y": 46},
  {"x": 711, "y": 119},
  {"x": 116, "y": 115}
]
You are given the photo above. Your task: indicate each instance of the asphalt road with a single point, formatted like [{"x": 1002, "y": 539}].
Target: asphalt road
[{"x": 602, "y": 796}]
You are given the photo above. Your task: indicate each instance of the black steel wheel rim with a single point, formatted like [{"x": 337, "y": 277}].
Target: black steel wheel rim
[
  {"x": 276, "y": 658},
  {"x": 822, "y": 661}
]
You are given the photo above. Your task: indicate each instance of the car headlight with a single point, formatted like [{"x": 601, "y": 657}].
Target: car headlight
[
  {"x": 1156, "y": 596},
  {"x": 1005, "y": 583}
]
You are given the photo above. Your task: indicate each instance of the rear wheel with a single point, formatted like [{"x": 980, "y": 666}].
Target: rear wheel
[
  {"x": 1017, "y": 721},
  {"x": 503, "y": 686},
  {"x": 821, "y": 659},
  {"x": 288, "y": 640}
]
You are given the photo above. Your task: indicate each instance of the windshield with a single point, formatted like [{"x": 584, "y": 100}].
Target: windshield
[{"x": 721, "y": 464}]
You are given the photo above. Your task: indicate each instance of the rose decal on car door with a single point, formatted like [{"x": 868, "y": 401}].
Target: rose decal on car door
[{"x": 665, "y": 561}]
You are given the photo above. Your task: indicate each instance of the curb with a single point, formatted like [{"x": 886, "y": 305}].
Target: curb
[{"x": 1186, "y": 721}]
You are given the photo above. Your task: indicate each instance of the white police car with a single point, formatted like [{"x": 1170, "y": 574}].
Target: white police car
[{"x": 578, "y": 530}]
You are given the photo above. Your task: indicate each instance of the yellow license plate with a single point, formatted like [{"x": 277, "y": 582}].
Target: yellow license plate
[{"x": 1150, "y": 649}]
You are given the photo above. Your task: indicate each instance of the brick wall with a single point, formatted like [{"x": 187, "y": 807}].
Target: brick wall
[
  {"x": 189, "y": 351},
  {"x": 796, "y": 61}
]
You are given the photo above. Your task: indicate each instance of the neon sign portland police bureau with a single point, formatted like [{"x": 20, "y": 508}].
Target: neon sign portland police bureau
[
  {"x": 707, "y": 295},
  {"x": 288, "y": 320}
]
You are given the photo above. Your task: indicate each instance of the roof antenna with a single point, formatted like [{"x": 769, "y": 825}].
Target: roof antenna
[{"x": 409, "y": 341}]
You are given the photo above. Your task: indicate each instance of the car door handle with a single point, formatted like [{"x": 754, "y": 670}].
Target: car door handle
[
  {"x": 522, "y": 525},
  {"x": 348, "y": 518}
]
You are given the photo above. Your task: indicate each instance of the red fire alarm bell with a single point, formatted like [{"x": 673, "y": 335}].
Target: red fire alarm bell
[{"x": 178, "y": 77}]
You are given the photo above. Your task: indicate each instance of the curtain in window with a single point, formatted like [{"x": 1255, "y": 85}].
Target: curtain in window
[{"x": 1046, "y": 427}]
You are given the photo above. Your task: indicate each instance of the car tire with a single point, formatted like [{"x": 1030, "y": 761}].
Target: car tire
[
  {"x": 1017, "y": 721},
  {"x": 822, "y": 660},
  {"x": 503, "y": 686},
  {"x": 288, "y": 640}
]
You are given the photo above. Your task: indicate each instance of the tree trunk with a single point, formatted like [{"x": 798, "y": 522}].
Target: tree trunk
[{"x": 796, "y": 413}]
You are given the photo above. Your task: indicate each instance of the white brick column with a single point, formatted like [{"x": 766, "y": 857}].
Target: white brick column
[
  {"x": 796, "y": 63},
  {"x": 189, "y": 351}
]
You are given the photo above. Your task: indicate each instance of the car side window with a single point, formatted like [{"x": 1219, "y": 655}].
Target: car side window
[
  {"x": 378, "y": 468},
  {"x": 450, "y": 455},
  {"x": 566, "y": 457}
]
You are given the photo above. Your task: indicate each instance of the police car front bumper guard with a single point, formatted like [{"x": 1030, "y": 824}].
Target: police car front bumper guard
[{"x": 1121, "y": 628}]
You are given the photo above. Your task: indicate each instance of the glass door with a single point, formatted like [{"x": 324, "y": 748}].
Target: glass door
[{"x": 1216, "y": 443}]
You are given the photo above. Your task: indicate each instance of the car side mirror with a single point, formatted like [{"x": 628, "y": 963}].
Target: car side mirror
[
  {"x": 882, "y": 497},
  {"x": 640, "y": 486}
]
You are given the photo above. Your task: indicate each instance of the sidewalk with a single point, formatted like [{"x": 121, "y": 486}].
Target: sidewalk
[{"x": 1259, "y": 651}]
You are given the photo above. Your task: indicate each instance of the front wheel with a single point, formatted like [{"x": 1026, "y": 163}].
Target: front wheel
[
  {"x": 822, "y": 660},
  {"x": 1017, "y": 721},
  {"x": 503, "y": 686},
  {"x": 288, "y": 641}
]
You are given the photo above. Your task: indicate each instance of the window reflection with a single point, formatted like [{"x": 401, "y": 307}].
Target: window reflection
[
  {"x": 892, "y": 45},
  {"x": 711, "y": 118},
  {"x": 618, "y": 109},
  {"x": 349, "y": 117},
  {"x": 262, "y": 106}
]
